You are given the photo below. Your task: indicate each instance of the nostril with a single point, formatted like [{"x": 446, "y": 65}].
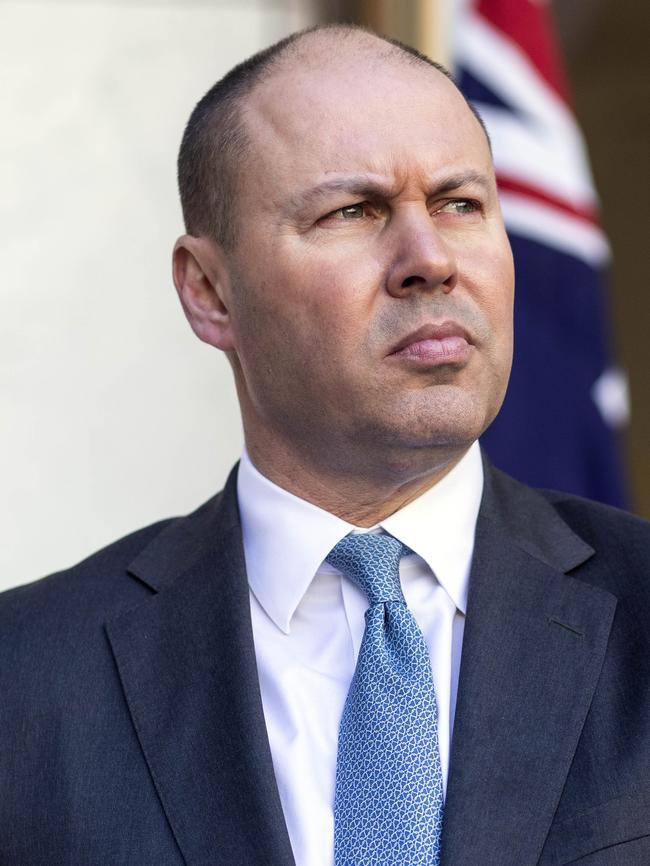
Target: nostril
[{"x": 409, "y": 281}]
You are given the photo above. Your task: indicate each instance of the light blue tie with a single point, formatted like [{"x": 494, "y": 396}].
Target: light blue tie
[{"x": 388, "y": 800}]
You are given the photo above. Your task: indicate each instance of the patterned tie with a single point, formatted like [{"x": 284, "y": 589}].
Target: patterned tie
[{"x": 388, "y": 801}]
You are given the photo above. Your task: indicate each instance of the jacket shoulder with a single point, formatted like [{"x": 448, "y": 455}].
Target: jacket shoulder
[
  {"x": 101, "y": 581},
  {"x": 599, "y": 525},
  {"x": 58, "y": 623},
  {"x": 603, "y": 526},
  {"x": 109, "y": 580},
  {"x": 613, "y": 544},
  {"x": 621, "y": 542}
]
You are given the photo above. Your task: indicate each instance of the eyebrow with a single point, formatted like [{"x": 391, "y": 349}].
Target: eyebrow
[{"x": 369, "y": 186}]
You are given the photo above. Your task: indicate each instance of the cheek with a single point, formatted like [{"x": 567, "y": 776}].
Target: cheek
[
  {"x": 297, "y": 327},
  {"x": 491, "y": 275},
  {"x": 331, "y": 299}
]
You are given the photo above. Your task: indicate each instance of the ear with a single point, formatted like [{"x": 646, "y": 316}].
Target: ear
[{"x": 202, "y": 281}]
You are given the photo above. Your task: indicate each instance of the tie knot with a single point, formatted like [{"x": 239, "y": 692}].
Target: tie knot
[{"x": 372, "y": 562}]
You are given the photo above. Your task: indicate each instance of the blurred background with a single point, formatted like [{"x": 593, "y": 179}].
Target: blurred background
[{"x": 114, "y": 415}]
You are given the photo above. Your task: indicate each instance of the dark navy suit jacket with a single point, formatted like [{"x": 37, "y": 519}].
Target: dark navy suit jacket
[{"x": 131, "y": 725}]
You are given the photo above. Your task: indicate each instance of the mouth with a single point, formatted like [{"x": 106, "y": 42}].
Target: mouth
[{"x": 435, "y": 345}]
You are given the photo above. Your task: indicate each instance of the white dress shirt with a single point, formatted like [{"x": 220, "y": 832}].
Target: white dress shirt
[{"x": 308, "y": 622}]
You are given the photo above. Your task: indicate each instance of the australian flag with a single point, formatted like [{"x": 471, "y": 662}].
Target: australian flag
[{"x": 566, "y": 402}]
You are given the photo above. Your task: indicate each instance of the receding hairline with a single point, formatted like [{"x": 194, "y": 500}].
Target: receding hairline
[
  {"x": 376, "y": 44},
  {"x": 296, "y": 53}
]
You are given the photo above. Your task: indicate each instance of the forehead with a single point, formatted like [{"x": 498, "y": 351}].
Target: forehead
[{"x": 354, "y": 109}]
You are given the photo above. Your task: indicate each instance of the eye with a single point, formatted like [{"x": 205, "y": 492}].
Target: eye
[
  {"x": 460, "y": 206},
  {"x": 350, "y": 212},
  {"x": 360, "y": 211}
]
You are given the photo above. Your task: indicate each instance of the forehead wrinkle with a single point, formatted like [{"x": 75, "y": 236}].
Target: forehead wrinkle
[
  {"x": 363, "y": 185},
  {"x": 465, "y": 178},
  {"x": 371, "y": 186}
]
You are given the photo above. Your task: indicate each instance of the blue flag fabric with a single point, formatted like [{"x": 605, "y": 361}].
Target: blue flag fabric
[{"x": 560, "y": 424}]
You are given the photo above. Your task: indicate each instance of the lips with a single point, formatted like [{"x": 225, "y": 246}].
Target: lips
[{"x": 444, "y": 343}]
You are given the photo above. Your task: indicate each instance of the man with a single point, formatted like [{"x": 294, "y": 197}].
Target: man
[{"x": 205, "y": 691}]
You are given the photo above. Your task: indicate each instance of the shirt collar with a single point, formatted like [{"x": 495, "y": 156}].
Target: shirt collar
[
  {"x": 441, "y": 523},
  {"x": 286, "y": 539}
]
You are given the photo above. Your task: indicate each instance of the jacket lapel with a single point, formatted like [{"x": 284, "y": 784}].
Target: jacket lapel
[
  {"x": 534, "y": 644},
  {"x": 187, "y": 665}
]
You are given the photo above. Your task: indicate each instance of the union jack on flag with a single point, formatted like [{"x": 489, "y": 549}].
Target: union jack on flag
[{"x": 558, "y": 426}]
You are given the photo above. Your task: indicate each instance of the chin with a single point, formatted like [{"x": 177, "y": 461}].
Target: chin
[
  {"x": 426, "y": 433},
  {"x": 449, "y": 419},
  {"x": 447, "y": 437}
]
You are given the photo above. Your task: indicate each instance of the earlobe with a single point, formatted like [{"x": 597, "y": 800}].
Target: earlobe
[{"x": 203, "y": 284}]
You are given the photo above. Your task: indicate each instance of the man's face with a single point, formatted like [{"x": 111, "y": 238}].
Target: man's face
[{"x": 372, "y": 282}]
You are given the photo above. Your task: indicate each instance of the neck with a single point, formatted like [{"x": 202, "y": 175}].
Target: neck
[{"x": 362, "y": 498}]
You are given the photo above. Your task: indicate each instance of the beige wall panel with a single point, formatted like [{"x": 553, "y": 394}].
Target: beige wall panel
[{"x": 113, "y": 415}]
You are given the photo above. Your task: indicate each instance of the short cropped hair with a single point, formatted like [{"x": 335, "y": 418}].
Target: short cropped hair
[{"x": 215, "y": 140}]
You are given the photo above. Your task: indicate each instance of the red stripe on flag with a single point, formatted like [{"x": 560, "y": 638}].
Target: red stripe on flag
[
  {"x": 529, "y": 26},
  {"x": 510, "y": 184}
]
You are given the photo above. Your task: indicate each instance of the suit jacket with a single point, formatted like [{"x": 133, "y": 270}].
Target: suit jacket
[{"x": 131, "y": 724}]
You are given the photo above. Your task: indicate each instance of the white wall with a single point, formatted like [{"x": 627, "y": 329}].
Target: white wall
[{"x": 113, "y": 414}]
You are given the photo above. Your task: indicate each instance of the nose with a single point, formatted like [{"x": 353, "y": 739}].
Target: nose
[{"x": 422, "y": 261}]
